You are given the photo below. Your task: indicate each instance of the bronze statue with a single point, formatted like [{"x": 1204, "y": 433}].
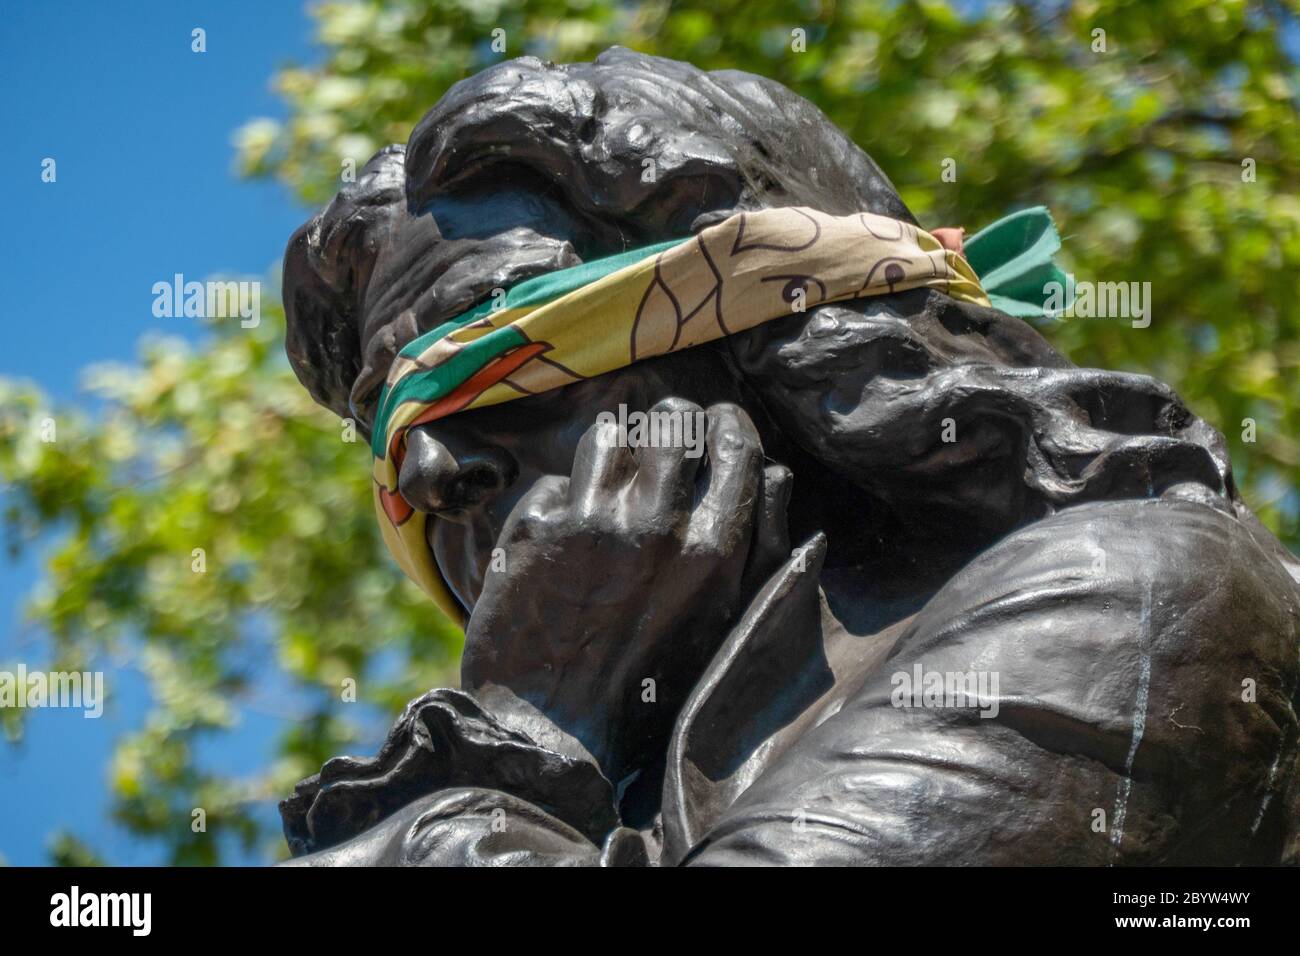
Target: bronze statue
[{"x": 927, "y": 593}]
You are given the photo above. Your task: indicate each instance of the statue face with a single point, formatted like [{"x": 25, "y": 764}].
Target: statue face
[
  {"x": 469, "y": 470},
  {"x": 953, "y": 423},
  {"x": 524, "y": 169}
]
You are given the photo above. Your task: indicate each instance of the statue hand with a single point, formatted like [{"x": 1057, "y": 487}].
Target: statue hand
[{"x": 619, "y": 582}]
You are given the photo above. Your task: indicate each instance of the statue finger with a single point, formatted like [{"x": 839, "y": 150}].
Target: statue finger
[
  {"x": 602, "y": 467},
  {"x": 667, "y": 464},
  {"x": 771, "y": 544},
  {"x": 728, "y": 489},
  {"x": 540, "y": 505}
]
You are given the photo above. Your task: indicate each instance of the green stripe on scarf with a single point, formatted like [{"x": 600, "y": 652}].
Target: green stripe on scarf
[
  {"x": 531, "y": 292},
  {"x": 1013, "y": 258}
]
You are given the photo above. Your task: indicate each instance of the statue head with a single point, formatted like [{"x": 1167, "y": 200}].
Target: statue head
[{"x": 919, "y": 428}]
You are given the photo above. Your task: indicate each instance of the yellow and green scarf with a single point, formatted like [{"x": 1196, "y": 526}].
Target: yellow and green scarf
[{"x": 571, "y": 325}]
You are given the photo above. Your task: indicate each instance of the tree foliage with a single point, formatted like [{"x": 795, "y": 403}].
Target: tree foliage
[
  {"x": 213, "y": 530},
  {"x": 1139, "y": 147}
]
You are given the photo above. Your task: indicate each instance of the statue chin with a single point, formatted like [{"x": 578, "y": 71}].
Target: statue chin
[{"x": 932, "y": 595}]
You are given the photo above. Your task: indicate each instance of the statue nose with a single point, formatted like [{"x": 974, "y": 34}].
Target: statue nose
[{"x": 438, "y": 477}]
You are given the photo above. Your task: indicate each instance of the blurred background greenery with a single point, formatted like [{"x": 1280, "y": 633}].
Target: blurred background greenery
[{"x": 1137, "y": 139}]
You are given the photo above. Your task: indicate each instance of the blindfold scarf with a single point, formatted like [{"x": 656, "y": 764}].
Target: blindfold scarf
[{"x": 571, "y": 325}]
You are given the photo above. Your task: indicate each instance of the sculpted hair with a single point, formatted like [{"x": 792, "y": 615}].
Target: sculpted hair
[
  {"x": 530, "y": 166},
  {"x": 327, "y": 267},
  {"x": 644, "y": 143}
]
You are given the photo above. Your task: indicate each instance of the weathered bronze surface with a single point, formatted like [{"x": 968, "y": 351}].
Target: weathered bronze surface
[{"x": 1079, "y": 552}]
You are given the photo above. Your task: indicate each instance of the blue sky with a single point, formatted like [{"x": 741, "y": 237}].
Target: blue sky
[{"x": 141, "y": 129}]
